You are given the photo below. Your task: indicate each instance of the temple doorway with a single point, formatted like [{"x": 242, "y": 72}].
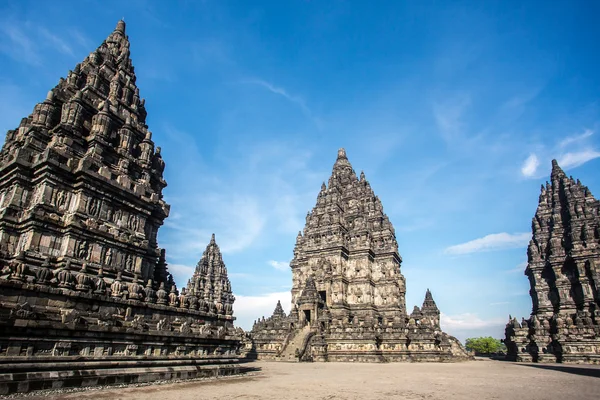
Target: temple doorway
[
  {"x": 323, "y": 295},
  {"x": 307, "y": 316}
]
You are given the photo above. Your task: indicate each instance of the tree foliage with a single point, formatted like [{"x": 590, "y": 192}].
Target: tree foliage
[{"x": 484, "y": 345}]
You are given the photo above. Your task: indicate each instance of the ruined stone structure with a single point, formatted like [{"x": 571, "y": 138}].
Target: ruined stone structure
[
  {"x": 564, "y": 274},
  {"x": 348, "y": 294},
  {"x": 83, "y": 282}
]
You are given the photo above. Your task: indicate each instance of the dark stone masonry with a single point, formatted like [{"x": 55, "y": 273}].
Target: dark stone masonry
[
  {"x": 85, "y": 294},
  {"x": 348, "y": 294},
  {"x": 564, "y": 274}
]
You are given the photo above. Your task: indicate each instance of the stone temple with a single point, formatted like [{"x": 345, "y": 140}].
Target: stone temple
[
  {"x": 83, "y": 284},
  {"x": 564, "y": 274},
  {"x": 348, "y": 293}
]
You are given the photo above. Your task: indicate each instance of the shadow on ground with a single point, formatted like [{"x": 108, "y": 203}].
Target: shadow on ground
[{"x": 593, "y": 371}]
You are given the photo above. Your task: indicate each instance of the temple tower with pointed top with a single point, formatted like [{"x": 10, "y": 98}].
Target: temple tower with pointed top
[
  {"x": 210, "y": 283},
  {"x": 564, "y": 274},
  {"x": 81, "y": 274},
  {"x": 349, "y": 248},
  {"x": 81, "y": 179},
  {"x": 347, "y": 288}
]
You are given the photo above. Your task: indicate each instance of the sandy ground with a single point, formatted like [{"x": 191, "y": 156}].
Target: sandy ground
[{"x": 468, "y": 380}]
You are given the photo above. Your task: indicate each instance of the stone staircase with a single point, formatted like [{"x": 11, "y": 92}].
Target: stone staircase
[{"x": 289, "y": 352}]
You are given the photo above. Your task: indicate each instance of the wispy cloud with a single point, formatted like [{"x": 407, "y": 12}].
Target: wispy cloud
[
  {"x": 519, "y": 268},
  {"x": 237, "y": 221},
  {"x": 521, "y": 100},
  {"x": 19, "y": 45},
  {"x": 570, "y": 152},
  {"x": 495, "y": 241},
  {"x": 55, "y": 41},
  {"x": 30, "y": 42},
  {"x": 576, "y": 138},
  {"x": 572, "y": 160},
  {"x": 530, "y": 165},
  {"x": 280, "y": 265},
  {"x": 449, "y": 117},
  {"x": 290, "y": 97}
]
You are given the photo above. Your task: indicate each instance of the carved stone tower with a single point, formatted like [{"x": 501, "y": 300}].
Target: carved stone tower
[
  {"x": 80, "y": 178},
  {"x": 564, "y": 274},
  {"x": 349, "y": 248},
  {"x": 210, "y": 284},
  {"x": 82, "y": 278},
  {"x": 348, "y": 294}
]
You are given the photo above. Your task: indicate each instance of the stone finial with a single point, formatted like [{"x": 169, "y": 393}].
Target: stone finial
[
  {"x": 341, "y": 153},
  {"x": 106, "y": 106},
  {"x": 556, "y": 170},
  {"x": 212, "y": 239},
  {"x": 120, "y": 27}
]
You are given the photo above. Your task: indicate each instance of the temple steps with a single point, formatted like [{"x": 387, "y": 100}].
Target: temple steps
[{"x": 295, "y": 346}]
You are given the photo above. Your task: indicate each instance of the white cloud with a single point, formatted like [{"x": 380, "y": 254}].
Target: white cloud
[
  {"x": 572, "y": 160},
  {"x": 530, "y": 165},
  {"x": 467, "y": 321},
  {"x": 495, "y": 241},
  {"x": 181, "y": 273},
  {"x": 237, "y": 222},
  {"x": 571, "y": 152},
  {"x": 249, "y": 308},
  {"x": 471, "y": 325},
  {"x": 576, "y": 138},
  {"x": 280, "y": 265},
  {"x": 499, "y": 303}
]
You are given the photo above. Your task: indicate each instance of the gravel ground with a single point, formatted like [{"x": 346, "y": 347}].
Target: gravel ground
[{"x": 467, "y": 380}]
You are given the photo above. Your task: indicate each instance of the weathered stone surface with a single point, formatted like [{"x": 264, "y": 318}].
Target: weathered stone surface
[
  {"x": 210, "y": 286},
  {"x": 564, "y": 274},
  {"x": 348, "y": 294},
  {"x": 80, "y": 207}
]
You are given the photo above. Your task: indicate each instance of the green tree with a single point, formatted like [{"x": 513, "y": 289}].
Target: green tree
[{"x": 484, "y": 345}]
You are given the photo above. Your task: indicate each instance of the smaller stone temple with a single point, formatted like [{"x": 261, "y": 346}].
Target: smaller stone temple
[
  {"x": 210, "y": 286},
  {"x": 348, "y": 293},
  {"x": 84, "y": 287},
  {"x": 564, "y": 274}
]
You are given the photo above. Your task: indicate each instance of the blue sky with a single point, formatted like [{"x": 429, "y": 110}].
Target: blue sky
[{"x": 453, "y": 111}]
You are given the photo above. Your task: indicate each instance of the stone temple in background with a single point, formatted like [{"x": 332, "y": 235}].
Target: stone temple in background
[
  {"x": 564, "y": 275},
  {"x": 348, "y": 294},
  {"x": 84, "y": 285}
]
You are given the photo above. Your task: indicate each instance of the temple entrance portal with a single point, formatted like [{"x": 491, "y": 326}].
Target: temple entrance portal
[{"x": 307, "y": 316}]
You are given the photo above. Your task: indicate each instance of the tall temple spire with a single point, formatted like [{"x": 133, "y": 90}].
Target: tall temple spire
[
  {"x": 348, "y": 217},
  {"x": 120, "y": 27},
  {"x": 565, "y": 226},
  {"x": 278, "y": 312},
  {"x": 80, "y": 207},
  {"x": 90, "y": 131},
  {"x": 210, "y": 282},
  {"x": 347, "y": 286},
  {"x": 563, "y": 256}
]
